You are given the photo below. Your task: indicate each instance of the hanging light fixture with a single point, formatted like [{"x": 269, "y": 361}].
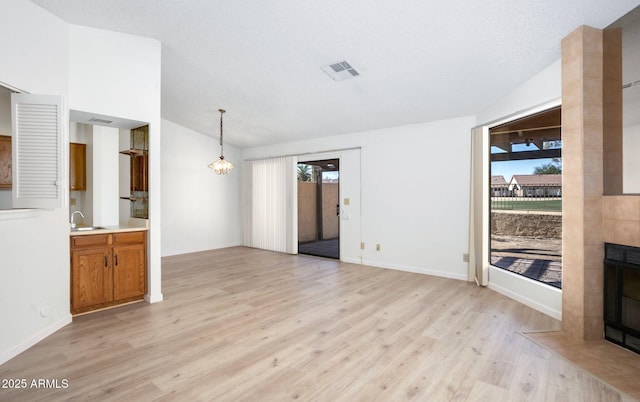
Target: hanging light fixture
[{"x": 221, "y": 166}]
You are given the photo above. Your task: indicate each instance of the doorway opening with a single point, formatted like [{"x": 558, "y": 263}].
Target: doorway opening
[
  {"x": 319, "y": 208},
  {"x": 526, "y": 196}
]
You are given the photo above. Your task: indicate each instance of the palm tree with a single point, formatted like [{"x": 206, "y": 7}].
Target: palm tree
[{"x": 304, "y": 172}]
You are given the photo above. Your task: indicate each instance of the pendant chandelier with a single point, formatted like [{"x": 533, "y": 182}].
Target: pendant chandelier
[{"x": 221, "y": 166}]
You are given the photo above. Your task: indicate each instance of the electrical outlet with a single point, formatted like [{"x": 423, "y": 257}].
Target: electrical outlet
[
  {"x": 378, "y": 247},
  {"x": 72, "y": 201},
  {"x": 362, "y": 246},
  {"x": 465, "y": 257}
]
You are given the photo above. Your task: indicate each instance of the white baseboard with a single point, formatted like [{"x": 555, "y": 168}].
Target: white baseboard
[
  {"x": 153, "y": 298},
  {"x": 551, "y": 312},
  {"x": 33, "y": 339},
  {"x": 416, "y": 270},
  {"x": 172, "y": 253},
  {"x": 352, "y": 260}
]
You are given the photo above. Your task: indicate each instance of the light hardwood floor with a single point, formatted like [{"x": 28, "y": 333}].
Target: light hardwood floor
[{"x": 241, "y": 324}]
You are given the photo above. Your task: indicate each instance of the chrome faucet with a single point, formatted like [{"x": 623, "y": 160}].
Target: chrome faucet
[{"x": 73, "y": 224}]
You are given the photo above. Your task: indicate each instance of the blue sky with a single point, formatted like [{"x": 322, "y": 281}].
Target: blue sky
[{"x": 510, "y": 168}]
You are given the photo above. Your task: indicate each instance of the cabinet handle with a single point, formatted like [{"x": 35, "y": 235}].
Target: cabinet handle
[
  {"x": 116, "y": 259},
  {"x": 105, "y": 261}
]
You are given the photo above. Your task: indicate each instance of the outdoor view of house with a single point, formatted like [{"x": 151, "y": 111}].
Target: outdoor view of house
[{"x": 526, "y": 223}]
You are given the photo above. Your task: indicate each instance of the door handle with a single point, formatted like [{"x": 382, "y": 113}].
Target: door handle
[
  {"x": 337, "y": 209},
  {"x": 116, "y": 260},
  {"x": 105, "y": 261}
]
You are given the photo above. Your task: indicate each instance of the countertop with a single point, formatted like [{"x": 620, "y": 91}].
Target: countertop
[{"x": 133, "y": 225}]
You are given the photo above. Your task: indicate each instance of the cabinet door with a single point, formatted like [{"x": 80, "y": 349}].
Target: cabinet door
[
  {"x": 37, "y": 141},
  {"x": 91, "y": 278},
  {"x": 5, "y": 161},
  {"x": 128, "y": 271},
  {"x": 77, "y": 167}
]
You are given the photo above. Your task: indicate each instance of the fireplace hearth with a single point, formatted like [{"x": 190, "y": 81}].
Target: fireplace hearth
[{"x": 622, "y": 295}]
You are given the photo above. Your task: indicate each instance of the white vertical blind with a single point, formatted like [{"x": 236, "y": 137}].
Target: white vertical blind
[
  {"x": 271, "y": 215},
  {"x": 37, "y": 146},
  {"x": 479, "y": 207}
]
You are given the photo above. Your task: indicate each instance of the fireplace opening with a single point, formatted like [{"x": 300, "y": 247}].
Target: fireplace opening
[{"x": 622, "y": 295}]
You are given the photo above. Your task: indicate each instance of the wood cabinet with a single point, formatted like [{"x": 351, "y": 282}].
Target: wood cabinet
[
  {"x": 107, "y": 270},
  {"x": 5, "y": 161},
  {"x": 91, "y": 278},
  {"x": 77, "y": 167},
  {"x": 129, "y": 265}
]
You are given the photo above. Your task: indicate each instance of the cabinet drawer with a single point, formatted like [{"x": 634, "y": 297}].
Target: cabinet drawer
[
  {"x": 91, "y": 240},
  {"x": 128, "y": 237}
]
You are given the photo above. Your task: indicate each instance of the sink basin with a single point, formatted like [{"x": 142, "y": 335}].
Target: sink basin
[{"x": 86, "y": 228}]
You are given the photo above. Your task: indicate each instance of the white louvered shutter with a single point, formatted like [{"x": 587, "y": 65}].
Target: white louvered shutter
[{"x": 38, "y": 180}]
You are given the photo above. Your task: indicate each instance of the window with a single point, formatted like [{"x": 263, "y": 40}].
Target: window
[{"x": 526, "y": 214}]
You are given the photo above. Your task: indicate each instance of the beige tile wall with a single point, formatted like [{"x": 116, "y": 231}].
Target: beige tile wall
[
  {"x": 592, "y": 155},
  {"x": 621, "y": 215}
]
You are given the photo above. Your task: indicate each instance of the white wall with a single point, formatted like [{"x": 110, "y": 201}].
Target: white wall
[
  {"x": 83, "y": 134},
  {"x": 414, "y": 190},
  {"x": 106, "y": 176},
  {"x": 200, "y": 209},
  {"x": 35, "y": 48},
  {"x": 542, "y": 88},
  {"x": 631, "y": 108},
  {"x": 96, "y": 71},
  {"x": 34, "y": 245},
  {"x": 116, "y": 74},
  {"x": 630, "y": 160}
]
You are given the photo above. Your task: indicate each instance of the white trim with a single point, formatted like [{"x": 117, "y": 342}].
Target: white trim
[
  {"x": 416, "y": 270},
  {"x": 479, "y": 217},
  {"x": 33, "y": 339},
  {"x": 548, "y": 299},
  {"x": 348, "y": 239},
  {"x": 310, "y": 154},
  {"x": 153, "y": 298},
  {"x": 217, "y": 247},
  {"x": 13, "y": 214},
  {"x": 524, "y": 113},
  {"x": 12, "y": 88},
  {"x": 553, "y": 296}
]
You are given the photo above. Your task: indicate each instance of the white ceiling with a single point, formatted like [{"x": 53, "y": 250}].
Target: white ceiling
[{"x": 261, "y": 60}]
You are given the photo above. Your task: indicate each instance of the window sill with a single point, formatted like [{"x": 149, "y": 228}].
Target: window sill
[{"x": 14, "y": 214}]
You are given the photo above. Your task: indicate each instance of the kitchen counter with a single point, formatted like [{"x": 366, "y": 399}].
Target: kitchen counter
[{"x": 133, "y": 225}]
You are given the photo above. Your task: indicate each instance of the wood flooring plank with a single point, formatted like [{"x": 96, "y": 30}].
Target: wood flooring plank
[{"x": 241, "y": 324}]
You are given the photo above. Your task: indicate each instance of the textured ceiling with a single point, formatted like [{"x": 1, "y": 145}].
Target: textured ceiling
[{"x": 261, "y": 60}]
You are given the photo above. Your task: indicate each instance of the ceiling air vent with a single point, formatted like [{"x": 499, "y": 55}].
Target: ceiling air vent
[
  {"x": 101, "y": 121},
  {"x": 340, "y": 71}
]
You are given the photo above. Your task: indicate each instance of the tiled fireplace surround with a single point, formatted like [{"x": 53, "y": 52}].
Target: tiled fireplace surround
[{"x": 594, "y": 209}]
